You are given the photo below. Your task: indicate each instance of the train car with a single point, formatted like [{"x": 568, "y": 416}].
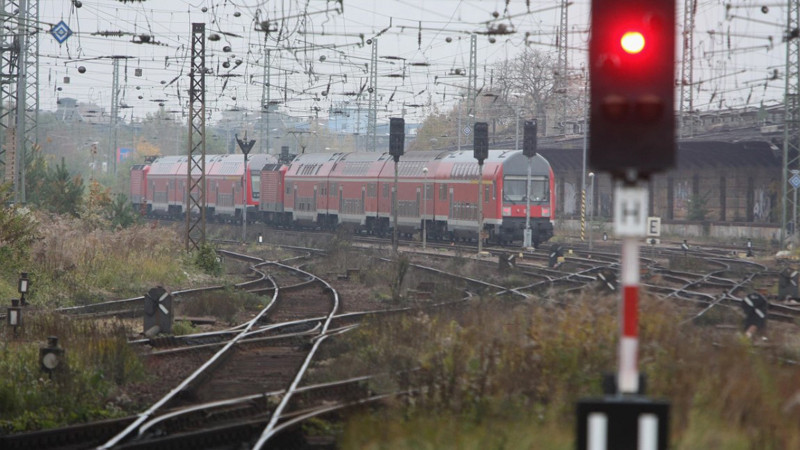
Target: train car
[
  {"x": 225, "y": 194},
  {"x": 449, "y": 190},
  {"x": 514, "y": 201},
  {"x": 306, "y": 185},
  {"x": 159, "y": 188},
  {"x": 355, "y": 189},
  {"x": 271, "y": 197},
  {"x": 165, "y": 183},
  {"x": 138, "y": 187},
  {"x": 328, "y": 190}
]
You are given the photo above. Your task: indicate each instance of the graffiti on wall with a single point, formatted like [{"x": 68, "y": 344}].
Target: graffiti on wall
[
  {"x": 682, "y": 195},
  {"x": 762, "y": 205}
]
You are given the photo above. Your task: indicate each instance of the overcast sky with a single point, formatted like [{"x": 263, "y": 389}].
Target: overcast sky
[{"x": 317, "y": 43}]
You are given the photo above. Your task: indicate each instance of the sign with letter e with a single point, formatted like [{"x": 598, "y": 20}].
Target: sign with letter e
[
  {"x": 630, "y": 211},
  {"x": 654, "y": 226}
]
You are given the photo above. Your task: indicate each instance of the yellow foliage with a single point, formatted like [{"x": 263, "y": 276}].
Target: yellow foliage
[{"x": 145, "y": 148}]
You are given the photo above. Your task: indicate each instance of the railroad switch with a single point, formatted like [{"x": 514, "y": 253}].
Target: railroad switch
[
  {"x": 755, "y": 309},
  {"x": 506, "y": 262},
  {"x": 608, "y": 280},
  {"x": 787, "y": 284},
  {"x": 556, "y": 256},
  {"x": 158, "y": 312}
]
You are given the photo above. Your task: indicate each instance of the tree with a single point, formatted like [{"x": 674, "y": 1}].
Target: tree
[
  {"x": 531, "y": 75},
  {"x": 62, "y": 193},
  {"x": 438, "y": 130},
  {"x": 17, "y": 229}
]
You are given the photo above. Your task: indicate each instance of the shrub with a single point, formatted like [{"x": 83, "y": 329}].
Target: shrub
[{"x": 207, "y": 260}]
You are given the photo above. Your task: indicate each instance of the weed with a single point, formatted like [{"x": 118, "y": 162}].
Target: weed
[
  {"x": 182, "y": 327},
  {"x": 494, "y": 368},
  {"x": 97, "y": 360}
]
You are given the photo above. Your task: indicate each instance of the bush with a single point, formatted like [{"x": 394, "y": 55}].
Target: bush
[{"x": 207, "y": 260}]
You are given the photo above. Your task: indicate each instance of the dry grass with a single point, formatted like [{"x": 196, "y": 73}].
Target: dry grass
[
  {"x": 503, "y": 370},
  {"x": 73, "y": 264}
]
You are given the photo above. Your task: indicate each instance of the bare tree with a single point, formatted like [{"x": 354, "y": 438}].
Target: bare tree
[{"x": 532, "y": 75}]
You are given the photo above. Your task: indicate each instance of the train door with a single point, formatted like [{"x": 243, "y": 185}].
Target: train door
[
  {"x": 450, "y": 215},
  {"x": 314, "y": 201}
]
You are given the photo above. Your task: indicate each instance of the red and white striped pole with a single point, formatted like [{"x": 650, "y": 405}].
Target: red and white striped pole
[
  {"x": 630, "y": 218},
  {"x": 628, "y": 374}
]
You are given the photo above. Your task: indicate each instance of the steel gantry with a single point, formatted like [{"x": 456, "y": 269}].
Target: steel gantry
[
  {"x": 9, "y": 57},
  {"x": 114, "y": 119},
  {"x": 264, "y": 131},
  {"x": 561, "y": 75},
  {"x": 472, "y": 82},
  {"x": 687, "y": 70},
  {"x": 372, "y": 118},
  {"x": 19, "y": 88},
  {"x": 196, "y": 163},
  {"x": 791, "y": 128}
]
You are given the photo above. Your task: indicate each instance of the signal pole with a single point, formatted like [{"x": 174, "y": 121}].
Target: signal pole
[
  {"x": 246, "y": 146},
  {"x": 480, "y": 148},
  {"x": 529, "y": 149},
  {"x": 632, "y": 136},
  {"x": 397, "y": 137}
]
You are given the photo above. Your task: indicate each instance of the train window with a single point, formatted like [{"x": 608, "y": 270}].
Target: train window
[
  {"x": 371, "y": 190},
  {"x": 514, "y": 189},
  {"x": 487, "y": 194},
  {"x": 386, "y": 191},
  {"x": 288, "y": 188},
  {"x": 443, "y": 192}
]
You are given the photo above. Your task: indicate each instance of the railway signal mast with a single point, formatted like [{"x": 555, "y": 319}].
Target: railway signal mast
[
  {"x": 480, "y": 150},
  {"x": 529, "y": 150},
  {"x": 397, "y": 138},
  {"x": 632, "y": 136}
]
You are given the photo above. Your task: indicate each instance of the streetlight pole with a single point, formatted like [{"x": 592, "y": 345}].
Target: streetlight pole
[
  {"x": 246, "y": 147},
  {"x": 425, "y": 209}
]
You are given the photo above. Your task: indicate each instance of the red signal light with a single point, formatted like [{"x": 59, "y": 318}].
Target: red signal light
[
  {"x": 632, "y": 73},
  {"x": 632, "y": 42}
]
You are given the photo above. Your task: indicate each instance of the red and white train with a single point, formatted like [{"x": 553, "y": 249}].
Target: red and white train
[{"x": 329, "y": 190}]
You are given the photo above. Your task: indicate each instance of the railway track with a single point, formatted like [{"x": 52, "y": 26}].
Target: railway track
[{"x": 234, "y": 397}]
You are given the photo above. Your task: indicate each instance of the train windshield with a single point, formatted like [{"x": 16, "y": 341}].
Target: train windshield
[{"x": 514, "y": 189}]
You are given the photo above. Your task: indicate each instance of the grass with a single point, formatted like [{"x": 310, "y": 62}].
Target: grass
[
  {"x": 507, "y": 374},
  {"x": 73, "y": 265},
  {"x": 97, "y": 362}
]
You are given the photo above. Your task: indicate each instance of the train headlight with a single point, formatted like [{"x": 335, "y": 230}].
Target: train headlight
[
  {"x": 506, "y": 211},
  {"x": 545, "y": 211}
]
